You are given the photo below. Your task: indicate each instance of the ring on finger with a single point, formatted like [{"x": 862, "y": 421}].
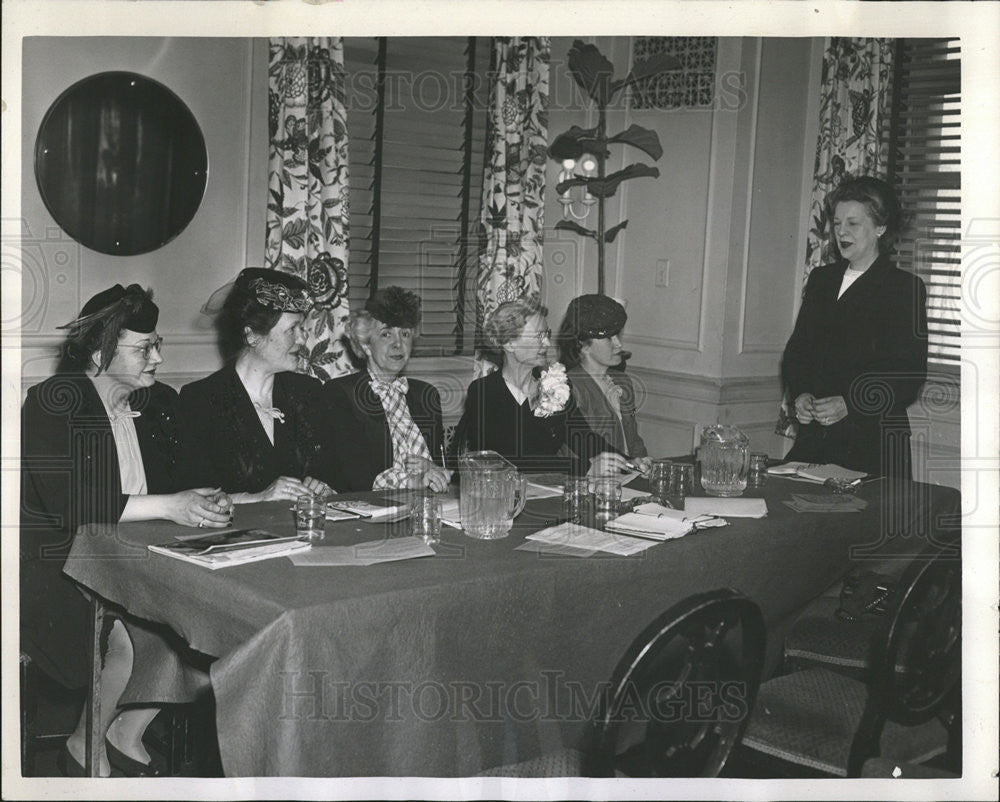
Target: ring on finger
[{"x": 202, "y": 522}]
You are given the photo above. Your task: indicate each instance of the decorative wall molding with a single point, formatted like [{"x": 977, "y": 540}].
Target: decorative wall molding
[{"x": 741, "y": 346}]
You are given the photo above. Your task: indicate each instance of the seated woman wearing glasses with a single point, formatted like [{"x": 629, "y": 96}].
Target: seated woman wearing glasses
[
  {"x": 389, "y": 427},
  {"x": 98, "y": 446},
  {"x": 589, "y": 345},
  {"x": 255, "y": 427},
  {"x": 524, "y": 413}
]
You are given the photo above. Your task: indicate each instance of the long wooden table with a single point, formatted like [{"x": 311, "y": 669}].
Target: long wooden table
[{"x": 479, "y": 656}]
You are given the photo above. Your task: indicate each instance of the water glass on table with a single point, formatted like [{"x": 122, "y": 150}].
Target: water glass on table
[
  {"x": 310, "y": 517},
  {"x": 576, "y": 499},
  {"x": 659, "y": 479},
  {"x": 757, "y": 472},
  {"x": 607, "y": 495},
  {"x": 425, "y": 518}
]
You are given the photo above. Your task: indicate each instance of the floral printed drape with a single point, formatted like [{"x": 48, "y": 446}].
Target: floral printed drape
[
  {"x": 510, "y": 267},
  {"x": 307, "y": 208},
  {"x": 855, "y": 93}
]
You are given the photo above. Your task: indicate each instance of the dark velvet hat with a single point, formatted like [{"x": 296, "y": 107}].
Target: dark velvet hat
[
  {"x": 593, "y": 317},
  {"x": 395, "y": 307},
  {"x": 141, "y": 317}
]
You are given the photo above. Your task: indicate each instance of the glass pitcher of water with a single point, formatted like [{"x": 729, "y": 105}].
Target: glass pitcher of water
[
  {"x": 724, "y": 455},
  {"x": 492, "y": 494}
]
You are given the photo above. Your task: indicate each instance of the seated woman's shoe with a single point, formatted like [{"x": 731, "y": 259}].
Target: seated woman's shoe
[
  {"x": 68, "y": 765},
  {"x": 131, "y": 767}
]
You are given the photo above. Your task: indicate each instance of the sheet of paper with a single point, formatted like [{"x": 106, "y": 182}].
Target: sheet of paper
[
  {"x": 583, "y": 537},
  {"x": 659, "y": 511},
  {"x": 555, "y": 549},
  {"x": 726, "y": 507},
  {"x": 647, "y": 526},
  {"x": 375, "y": 551},
  {"x": 820, "y": 473},
  {"x": 536, "y": 490}
]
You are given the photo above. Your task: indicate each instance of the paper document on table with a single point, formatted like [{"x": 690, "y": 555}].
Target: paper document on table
[
  {"x": 375, "y": 551},
  {"x": 583, "y": 537},
  {"x": 536, "y": 490},
  {"x": 699, "y": 520},
  {"x": 647, "y": 526},
  {"x": 450, "y": 514},
  {"x": 815, "y": 472},
  {"x": 726, "y": 507},
  {"x": 822, "y": 502}
]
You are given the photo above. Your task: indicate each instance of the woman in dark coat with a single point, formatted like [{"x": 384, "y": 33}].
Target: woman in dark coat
[
  {"x": 503, "y": 410},
  {"x": 858, "y": 355},
  {"x": 98, "y": 446},
  {"x": 388, "y": 426},
  {"x": 589, "y": 346},
  {"x": 255, "y": 427}
]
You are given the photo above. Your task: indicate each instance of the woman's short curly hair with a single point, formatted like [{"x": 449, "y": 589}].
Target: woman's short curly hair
[
  {"x": 243, "y": 310},
  {"x": 879, "y": 200},
  {"x": 506, "y": 323}
]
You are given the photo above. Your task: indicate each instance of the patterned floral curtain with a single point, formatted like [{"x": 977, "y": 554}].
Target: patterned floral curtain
[
  {"x": 510, "y": 266},
  {"x": 855, "y": 93},
  {"x": 307, "y": 209}
]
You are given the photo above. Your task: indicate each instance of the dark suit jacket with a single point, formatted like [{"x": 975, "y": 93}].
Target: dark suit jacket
[
  {"x": 621, "y": 436},
  {"x": 362, "y": 443},
  {"x": 494, "y": 420},
  {"x": 223, "y": 443},
  {"x": 870, "y": 347},
  {"x": 70, "y": 477}
]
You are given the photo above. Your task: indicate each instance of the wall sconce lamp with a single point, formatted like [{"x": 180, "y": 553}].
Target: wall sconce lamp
[{"x": 587, "y": 165}]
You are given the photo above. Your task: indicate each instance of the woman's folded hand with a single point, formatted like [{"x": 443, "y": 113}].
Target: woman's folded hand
[
  {"x": 203, "y": 506},
  {"x": 804, "y": 408}
]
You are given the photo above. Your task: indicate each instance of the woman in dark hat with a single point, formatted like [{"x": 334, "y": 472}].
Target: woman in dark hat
[
  {"x": 589, "y": 345},
  {"x": 858, "y": 355},
  {"x": 389, "y": 426},
  {"x": 525, "y": 410},
  {"x": 98, "y": 446},
  {"x": 255, "y": 427}
]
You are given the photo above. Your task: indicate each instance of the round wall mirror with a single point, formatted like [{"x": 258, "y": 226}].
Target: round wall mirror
[{"x": 121, "y": 163}]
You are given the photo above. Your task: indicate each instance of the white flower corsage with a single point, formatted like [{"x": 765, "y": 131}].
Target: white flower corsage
[{"x": 553, "y": 391}]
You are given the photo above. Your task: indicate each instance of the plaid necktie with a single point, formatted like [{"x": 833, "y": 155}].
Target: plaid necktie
[{"x": 406, "y": 437}]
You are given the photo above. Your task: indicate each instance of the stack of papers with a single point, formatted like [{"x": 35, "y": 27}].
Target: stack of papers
[
  {"x": 726, "y": 507},
  {"x": 579, "y": 540},
  {"x": 657, "y": 522},
  {"x": 815, "y": 472},
  {"x": 375, "y": 551},
  {"x": 821, "y": 502},
  {"x": 373, "y": 512}
]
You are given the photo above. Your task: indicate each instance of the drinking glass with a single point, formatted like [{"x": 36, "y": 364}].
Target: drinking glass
[
  {"x": 576, "y": 499},
  {"x": 659, "y": 479},
  {"x": 757, "y": 473},
  {"x": 425, "y": 518},
  {"x": 310, "y": 517},
  {"x": 607, "y": 495}
]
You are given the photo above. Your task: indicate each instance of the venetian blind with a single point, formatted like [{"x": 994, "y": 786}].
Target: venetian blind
[
  {"x": 925, "y": 164},
  {"x": 416, "y": 139}
]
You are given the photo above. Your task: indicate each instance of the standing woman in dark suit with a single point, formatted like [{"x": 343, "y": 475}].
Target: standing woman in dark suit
[
  {"x": 388, "y": 426},
  {"x": 98, "y": 446},
  {"x": 858, "y": 355},
  {"x": 255, "y": 427}
]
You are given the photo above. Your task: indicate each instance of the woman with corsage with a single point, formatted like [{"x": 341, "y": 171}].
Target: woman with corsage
[
  {"x": 256, "y": 427},
  {"x": 525, "y": 409},
  {"x": 98, "y": 446},
  {"x": 858, "y": 355},
  {"x": 589, "y": 345},
  {"x": 389, "y": 426}
]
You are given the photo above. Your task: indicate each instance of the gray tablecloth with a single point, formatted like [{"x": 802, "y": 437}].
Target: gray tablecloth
[{"x": 478, "y": 656}]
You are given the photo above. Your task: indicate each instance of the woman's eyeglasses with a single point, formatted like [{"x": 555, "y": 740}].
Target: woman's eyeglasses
[{"x": 147, "y": 348}]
